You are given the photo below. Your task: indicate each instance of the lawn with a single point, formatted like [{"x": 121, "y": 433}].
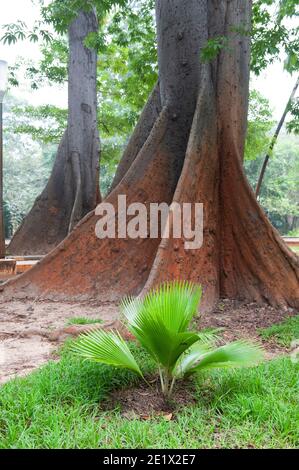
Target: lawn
[{"x": 60, "y": 406}]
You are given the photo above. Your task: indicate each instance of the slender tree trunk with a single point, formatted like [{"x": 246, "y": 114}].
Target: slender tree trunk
[
  {"x": 274, "y": 140},
  {"x": 193, "y": 153},
  {"x": 72, "y": 188}
]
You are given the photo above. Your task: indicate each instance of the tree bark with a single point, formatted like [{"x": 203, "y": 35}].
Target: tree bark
[
  {"x": 141, "y": 132},
  {"x": 242, "y": 256},
  {"x": 274, "y": 140},
  {"x": 72, "y": 189},
  {"x": 79, "y": 267},
  {"x": 193, "y": 153}
]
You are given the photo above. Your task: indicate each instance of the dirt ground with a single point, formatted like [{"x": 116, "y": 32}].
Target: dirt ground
[
  {"x": 242, "y": 320},
  {"x": 30, "y": 332},
  {"x": 145, "y": 401}
]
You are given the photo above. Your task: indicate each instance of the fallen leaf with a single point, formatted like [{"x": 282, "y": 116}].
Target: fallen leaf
[
  {"x": 168, "y": 417},
  {"x": 145, "y": 417},
  {"x": 130, "y": 415}
]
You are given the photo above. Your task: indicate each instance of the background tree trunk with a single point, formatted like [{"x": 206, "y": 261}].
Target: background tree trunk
[
  {"x": 72, "y": 189},
  {"x": 193, "y": 153}
]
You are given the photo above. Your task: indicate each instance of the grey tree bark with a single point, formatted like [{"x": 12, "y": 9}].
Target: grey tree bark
[
  {"x": 180, "y": 37},
  {"x": 73, "y": 187}
]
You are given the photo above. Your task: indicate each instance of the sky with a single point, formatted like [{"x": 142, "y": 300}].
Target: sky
[
  {"x": 28, "y": 12},
  {"x": 274, "y": 83}
]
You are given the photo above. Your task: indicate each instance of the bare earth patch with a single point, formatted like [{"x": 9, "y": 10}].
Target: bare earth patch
[
  {"x": 31, "y": 331},
  {"x": 241, "y": 320},
  {"x": 146, "y": 402}
]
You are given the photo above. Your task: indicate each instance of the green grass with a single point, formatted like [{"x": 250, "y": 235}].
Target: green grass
[
  {"x": 284, "y": 333},
  {"x": 58, "y": 406},
  {"x": 83, "y": 321}
]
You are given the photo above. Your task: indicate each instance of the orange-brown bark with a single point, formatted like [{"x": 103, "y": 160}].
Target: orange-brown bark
[
  {"x": 83, "y": 266},
  {"x": 243, "y": 256},
  {"x": 199, "y": 182}
]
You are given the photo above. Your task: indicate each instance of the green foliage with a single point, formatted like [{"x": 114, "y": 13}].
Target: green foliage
[
  {"x": 279, "y": 193},
  {"x": 133, "y": 50},
  {"x": 160, "y": 323},
  {"x": 53, "y": 65},
  {"x": 260, "y": 123},
  {"x": 288, "y": 8},
  {"x": 8, "y": 223},
  {"x": 106, "y": 347},
  {"x": 60, "y": 13},
  {"x": 272, "y": 33},
  {"x": 44, "y": 124},
  {"x": 83, "y": 321},
  {"x": 13, "y": 32},
  {"x": 50, "y": 70},
  {"x": 27, "y": 165},
  {"x": 293, "y": 124},
  {"x": 19, "y": 32},
  {"x": 294, "y": 233},
  {"x": 213, "y": 47},
  {"x": 200, "y": 357},
  {"x": 127, "y": 63},
  {"x": 284, "y": 333}
]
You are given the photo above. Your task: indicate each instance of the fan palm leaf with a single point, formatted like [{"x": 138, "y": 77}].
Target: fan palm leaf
[
  {"x": 160, "y": 320},
  {"x": 202, "y": 357},
  {"x": 107, "y": 348},
  {"x": 174, "y": 304}
]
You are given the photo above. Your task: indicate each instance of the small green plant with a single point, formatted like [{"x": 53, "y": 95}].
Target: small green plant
[
  {"x": 284, "y": 333},
  {"x": 160, "y": 322},
  {"x": 83, "y": 321}
]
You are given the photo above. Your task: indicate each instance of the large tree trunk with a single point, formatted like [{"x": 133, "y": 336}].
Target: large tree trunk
[
  {"x": 242, "y": 255},
  {"x": 193, "y": 153},
  {"x": 72, "y": 189}
]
